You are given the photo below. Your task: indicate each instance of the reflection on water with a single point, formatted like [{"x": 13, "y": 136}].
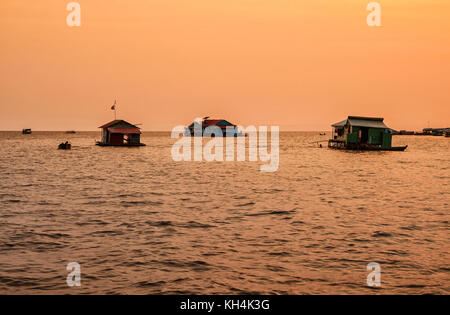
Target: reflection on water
[{"x": 137, "y": 222}]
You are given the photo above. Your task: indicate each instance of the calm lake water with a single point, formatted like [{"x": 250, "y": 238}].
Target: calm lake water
[{"x": 138, "y": 222}]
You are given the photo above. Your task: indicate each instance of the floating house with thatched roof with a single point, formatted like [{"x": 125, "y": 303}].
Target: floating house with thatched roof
[
  {"x": 120, "y": 133},
  {"x": 362, "y": 133}
]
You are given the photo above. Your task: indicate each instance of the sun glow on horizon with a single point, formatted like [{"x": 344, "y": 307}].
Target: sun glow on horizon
[{"x": 301, "y": 65}]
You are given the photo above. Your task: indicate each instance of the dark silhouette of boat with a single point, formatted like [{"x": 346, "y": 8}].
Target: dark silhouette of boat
[
  {"x": 26, "y": 131},
  {"x": 64, "y": 146}
]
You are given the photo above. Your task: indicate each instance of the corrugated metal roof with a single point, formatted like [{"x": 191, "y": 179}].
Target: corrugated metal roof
[
  {"x": 213, "y": 122},
  {"x": 340, "y": 124},
  {"x": 110, "y": 123},
  {"x": 125, "y": 130},
  {"x": 216, "y": 122},
  {"x": 369, "y": 123},
  {"x": 357, "y": 121},
  {"x": 117, "y": 121}
]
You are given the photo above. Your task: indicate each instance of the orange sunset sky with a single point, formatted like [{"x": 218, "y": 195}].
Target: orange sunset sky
[{"x": 299, "y": 64}]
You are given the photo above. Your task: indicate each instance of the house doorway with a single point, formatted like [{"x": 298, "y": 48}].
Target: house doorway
[{"x": 364, "y": 134}]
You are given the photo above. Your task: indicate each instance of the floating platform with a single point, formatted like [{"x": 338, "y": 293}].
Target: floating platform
[
  {"x": 341, "y": 145},
  {"x": 236, "y": 135},
  {"x": 371, "y": 149},
  {"x": 101, "y": 144}
]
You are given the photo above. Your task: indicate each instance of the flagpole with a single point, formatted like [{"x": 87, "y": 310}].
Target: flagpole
[{"x": 115, "y": 109}]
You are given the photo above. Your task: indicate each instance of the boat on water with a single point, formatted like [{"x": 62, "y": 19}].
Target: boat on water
[
  {"x": 64, "y": 146},
  {"x": 362, "y": 133},
  {"x": 119, "y": 133},
  {"x": 71, "y": 131},
  {"x": 26, "y": 131}
]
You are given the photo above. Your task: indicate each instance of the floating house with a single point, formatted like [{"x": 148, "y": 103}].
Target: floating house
[
  {"x": 223, "y": 124},
  {"x": 120, "y": 133},
  {"x": 435, "y": 131},
  {"x": 362, "y": 133},
  {"x": 26, "y": 131}
]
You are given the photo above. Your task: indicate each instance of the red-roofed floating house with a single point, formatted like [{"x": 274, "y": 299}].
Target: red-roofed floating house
[
  {"x": 220, "y": 123},
  {"x": 120, "y": 133}
]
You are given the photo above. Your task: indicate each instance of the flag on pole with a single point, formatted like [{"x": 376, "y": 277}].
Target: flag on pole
[{"x": 114, "y": 106}]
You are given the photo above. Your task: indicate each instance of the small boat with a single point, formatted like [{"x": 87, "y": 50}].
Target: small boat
[
  {"x": 71, "y": 131},
  {"x": 26, "y": 131},
  {"x": 64, "y": 146}
]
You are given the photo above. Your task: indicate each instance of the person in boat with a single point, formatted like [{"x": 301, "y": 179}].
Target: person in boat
[{"x": 64, "y": 145}]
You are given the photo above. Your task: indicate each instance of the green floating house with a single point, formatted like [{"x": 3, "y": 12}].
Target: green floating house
[{"x": 362, "y": 133}]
